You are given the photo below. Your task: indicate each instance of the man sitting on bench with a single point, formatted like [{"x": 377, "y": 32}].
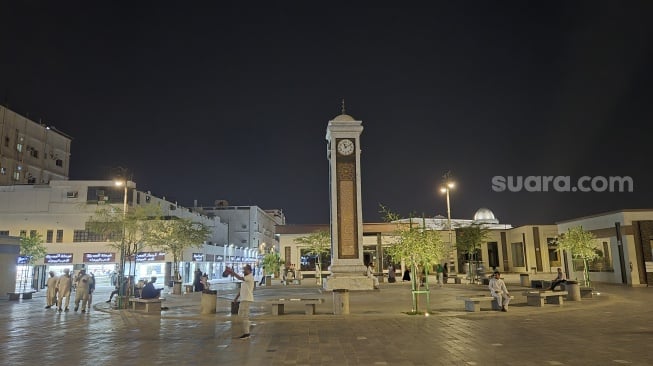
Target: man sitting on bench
[
  {"x": 149, "y": 292},
  {"x": 499, "y": 291},
  {"x": 560, "y": 278}
]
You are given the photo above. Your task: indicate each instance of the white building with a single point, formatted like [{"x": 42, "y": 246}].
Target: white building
[
  {"x": 250, "y": 227},
  {"x": 60, "y": 211},
  {"x": 30, "y": 152}
]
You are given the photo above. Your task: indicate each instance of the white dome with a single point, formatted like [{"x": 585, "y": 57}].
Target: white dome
[
  {"x": 344, "y": 117},
  {"x": 485, "y": 215}
]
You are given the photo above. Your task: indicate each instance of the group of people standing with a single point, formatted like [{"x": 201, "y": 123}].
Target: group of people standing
[{"x": 60, "y": 289}]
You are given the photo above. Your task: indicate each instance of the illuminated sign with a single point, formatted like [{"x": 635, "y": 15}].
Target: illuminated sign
[
  {"x": 57, "y": 258},
  {"x": 99, "y": 257},
  {"x": 199, "y": 257},
  {"x": 150, "y": 256}
]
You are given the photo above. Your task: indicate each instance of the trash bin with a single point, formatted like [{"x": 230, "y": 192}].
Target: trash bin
[
  {"x": 209, "y": 302},
  {"x": 573, "y": 290},
  {"x": 340, "y": 301},
  {"x": 524, "y": 280}
]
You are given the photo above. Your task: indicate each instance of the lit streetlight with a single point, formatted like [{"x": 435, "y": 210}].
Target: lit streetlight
[
  {"x": 446, "y": 188},
  {"x": 121, "y": 271}
]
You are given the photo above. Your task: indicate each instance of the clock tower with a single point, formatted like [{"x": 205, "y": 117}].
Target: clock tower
[{"x": 343, "y": 152}]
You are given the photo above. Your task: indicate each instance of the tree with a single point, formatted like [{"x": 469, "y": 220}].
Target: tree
[
  {"x": 469, "y": 240},
  {"x": 318, "y": 244},
  {"x": 175, "y": 235},
  {"x": 271, "y": 263},
  {"x": 417, "y": 247},
  {"x": 31, "y": 248},
  {"x": 581, "y": 245},
  {"x": 127, "y": 232}
]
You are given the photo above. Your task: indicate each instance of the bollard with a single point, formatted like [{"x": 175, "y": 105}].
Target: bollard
[
  {"x": 209, "y": 302},
  {"x": 573, "y": 290},
  {"x": 340, "y": 301}
]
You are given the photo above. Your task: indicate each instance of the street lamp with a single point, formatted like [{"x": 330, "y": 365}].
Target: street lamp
[
  {"x": 121, "y": 271},
  {"x": 448, "y": 186}
]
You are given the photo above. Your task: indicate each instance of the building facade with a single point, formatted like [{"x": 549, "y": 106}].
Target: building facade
[
  {"x": 250, "y": 227},
  {"x": 61, "y": 210},
  {"x": 624, "y": 242},
  {"x": 30, "y": 152}
]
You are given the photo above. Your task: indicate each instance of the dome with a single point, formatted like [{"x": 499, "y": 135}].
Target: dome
[
  {"x": 485, "y": 215},
  {"x": 344, "y": 118}
]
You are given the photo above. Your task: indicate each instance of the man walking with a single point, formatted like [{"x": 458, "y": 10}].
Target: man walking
[
  {"x": 82, "y": 289},
  {"x": 246, "y": 296},
  {"x": 499, "y": 291},
  {"x": 64, "y": 285},
  {"x": 52, "y": 291}
]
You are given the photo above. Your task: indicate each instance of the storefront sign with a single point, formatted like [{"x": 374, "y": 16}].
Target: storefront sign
[
  {"x": 23, "y": 259},
  {"x": 150, "y": 256},
  {"x": 198, "y": 257},
  {"x": 58, "y": 258},
  {"x": 219, "y": 258},
  {"x": 99, "y": 257}
]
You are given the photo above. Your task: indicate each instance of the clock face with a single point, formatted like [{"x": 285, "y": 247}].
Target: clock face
[{"x": 345, "y": 147}]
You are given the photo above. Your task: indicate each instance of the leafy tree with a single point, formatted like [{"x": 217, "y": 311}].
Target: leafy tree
[
  {"x": 581, "y": 245},
  {"x": 175, "y": 235},
  {"x": 318, "y": 244},
  {"x": 128, "y": 232},
  {"x": 32, "y": 248},
  {"x": 271, "y": 263},
  {"x": 417, "y": 247},
  {"x": 469, "y": 241}
]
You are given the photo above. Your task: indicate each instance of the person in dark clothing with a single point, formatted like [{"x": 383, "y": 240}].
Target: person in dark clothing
[
  {"x": 197, "y": 284},
  {"x": 406, "y": 276},
  {"x": 149, "y": 292}
]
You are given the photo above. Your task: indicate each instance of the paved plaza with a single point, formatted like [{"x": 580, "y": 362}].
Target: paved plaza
[{"x": 614, "y": 328}]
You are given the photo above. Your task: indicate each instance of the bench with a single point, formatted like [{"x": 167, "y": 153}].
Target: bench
[
  {"x": 537, "y": 298},
  {"x": 14, "y": 296},
  {"x": 543, "y": 284},
  {"x": 457, "y": 280},
  {"x": 473, "y": 302},
  {"x": 278, "y": 305},
  {"x": 149, "y": 305}
]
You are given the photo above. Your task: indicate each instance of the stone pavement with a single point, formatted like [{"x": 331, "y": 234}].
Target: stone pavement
[{"x": 611, "y": 329}]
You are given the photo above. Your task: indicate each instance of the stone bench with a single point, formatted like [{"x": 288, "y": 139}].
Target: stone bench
[
  {"x": 149, "y": 305},
  {"x": 473, "y": 302},
  {"x": 15, "y": 296},
  {"x": 543, "y": 284},
  {"x": 457, "y": 280},
  {"x": 537, "y": 298},
  {"x": 278, "y": 305}
]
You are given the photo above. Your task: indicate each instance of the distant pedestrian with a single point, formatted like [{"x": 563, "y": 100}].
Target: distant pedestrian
[
  {"x": 370, "y": 274},
  {"x": 406, "y": 276},
  {"x": 445, "y": 273},
  {"x": 391, "y": 273},
  {"x": 51, "y": 295},
  {"x": 64, "y": 286},
  {"x": 197, "y": 285},
  {"x": 246, "y": 296}
]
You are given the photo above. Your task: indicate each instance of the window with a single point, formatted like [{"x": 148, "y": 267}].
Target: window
[
  {"x": 72, "y": 194},
  {"x": 23, "y": 233},
  {"x": 48, "y": 236},
  {"x": 19, "y": 147},
  {"x": 33, "y": 152},
  {"x": 59, "y": 162},
  {"x": 16, "y": 175},
  {"x": 3, "y": 170},
  {"x": 4, "y": 232},
  {"x": 32, "y": 233},
  {"x": 518, "y": 254},
  {"x": 59, "y": 236}
]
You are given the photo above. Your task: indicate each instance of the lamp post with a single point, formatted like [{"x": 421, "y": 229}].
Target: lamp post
[
  {"x": 448, "y": 186},
  {"x": 121, "y": 271}
]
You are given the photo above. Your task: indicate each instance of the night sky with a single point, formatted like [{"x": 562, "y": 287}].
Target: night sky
[{"x": 208, "y": 100}]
